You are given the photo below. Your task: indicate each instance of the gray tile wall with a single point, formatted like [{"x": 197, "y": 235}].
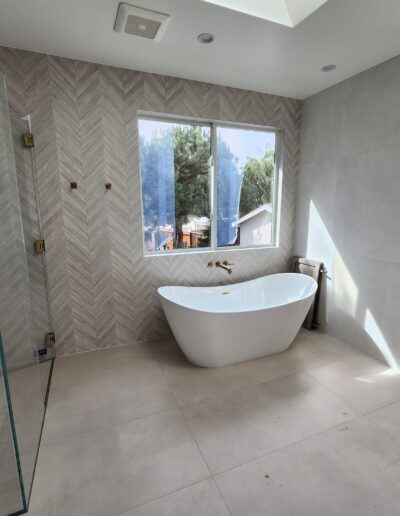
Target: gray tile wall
[
  {"x": 348, "y": 206},
  {"x": 103, "y": 292}
]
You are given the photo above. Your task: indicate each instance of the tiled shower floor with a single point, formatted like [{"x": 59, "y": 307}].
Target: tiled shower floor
[{"x": 137, "y": 431}]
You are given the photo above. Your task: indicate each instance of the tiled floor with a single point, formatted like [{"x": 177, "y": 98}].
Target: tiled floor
[
  {"x": 137, "y": 431},
  {"x": 26, "y": 390}
]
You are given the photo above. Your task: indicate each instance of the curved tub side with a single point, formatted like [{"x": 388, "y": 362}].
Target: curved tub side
[{"x": 216, "y": 339}]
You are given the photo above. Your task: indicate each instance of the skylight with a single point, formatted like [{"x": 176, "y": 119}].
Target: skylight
[{"x": 285, "y": 12}]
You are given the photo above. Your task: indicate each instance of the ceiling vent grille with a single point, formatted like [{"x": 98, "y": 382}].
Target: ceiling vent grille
[{"x": 140, "y": 22}]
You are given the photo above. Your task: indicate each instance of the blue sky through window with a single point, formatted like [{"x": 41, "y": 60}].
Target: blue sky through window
[
  {"x": 244, "y": 143},
  {"x": 247, "y": 143}
]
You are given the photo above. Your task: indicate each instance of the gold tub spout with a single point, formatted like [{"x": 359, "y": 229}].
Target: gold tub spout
[{"x": 224, "y": 265}]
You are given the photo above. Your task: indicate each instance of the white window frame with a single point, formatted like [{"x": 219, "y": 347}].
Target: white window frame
[{"x": 276, "y": 196}]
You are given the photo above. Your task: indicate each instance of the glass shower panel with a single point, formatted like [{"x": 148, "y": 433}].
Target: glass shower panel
[
  {"x": 25, "y": 320},
  {"x": 10, "y": 488},
  {"x": 25, "y": 168}
]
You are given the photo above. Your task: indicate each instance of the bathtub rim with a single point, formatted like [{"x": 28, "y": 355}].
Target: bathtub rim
[{"x": 226, "y": 286}]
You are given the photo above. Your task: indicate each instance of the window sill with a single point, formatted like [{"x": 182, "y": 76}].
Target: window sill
[{"x": 208, "y": 250}]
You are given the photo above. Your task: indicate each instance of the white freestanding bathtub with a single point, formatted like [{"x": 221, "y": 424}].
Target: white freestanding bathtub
[{"x": 216, "y": 326}]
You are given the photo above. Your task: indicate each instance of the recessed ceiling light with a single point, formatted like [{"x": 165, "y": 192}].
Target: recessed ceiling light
[
  {"x": 205, "y": 37},
  {"x": 328, "y": 68}
]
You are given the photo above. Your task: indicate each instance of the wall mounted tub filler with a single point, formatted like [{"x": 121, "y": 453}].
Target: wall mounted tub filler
[
  {"x": 225, "y": 265},
  {"x": 222, "y": 265},
  {"x": 217, "y": 326}
]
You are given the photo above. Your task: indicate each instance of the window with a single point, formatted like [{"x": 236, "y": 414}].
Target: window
[{"x": 206, "y": 185}]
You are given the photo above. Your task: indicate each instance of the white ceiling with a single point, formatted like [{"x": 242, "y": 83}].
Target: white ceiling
[{"x": 248, "y": 52}]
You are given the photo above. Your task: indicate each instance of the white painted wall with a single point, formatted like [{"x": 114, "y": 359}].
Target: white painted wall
[{"x": 348, "y": 206}]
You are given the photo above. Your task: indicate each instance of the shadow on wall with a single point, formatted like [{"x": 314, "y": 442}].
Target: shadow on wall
[{"x": 347, "y": 289}]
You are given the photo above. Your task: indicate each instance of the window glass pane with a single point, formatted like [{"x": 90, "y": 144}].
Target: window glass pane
[
  {"x": 175, "y": 173},
  {"x": 245, "y": 174}
]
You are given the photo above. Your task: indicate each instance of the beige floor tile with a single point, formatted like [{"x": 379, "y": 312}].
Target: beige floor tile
[
  {"x": 117, "y": 468},
  {"x": 201, "y": 499},
  {"x": 352, "y": 470},
  {"x": 190, "y": 383},
  {"x": 249, "y": 423},
  {"x": 388, "y": 418},
  {"x": 361, "y": 381},
  {"x": 114, "y": 386},
  {"x": 115, "y": 441},
  {"x": 315, "y": 349},
  {"x": 88, "y": 501},
  {"x": 28, "y": 414},
  {"x": 10, "y": 492}
]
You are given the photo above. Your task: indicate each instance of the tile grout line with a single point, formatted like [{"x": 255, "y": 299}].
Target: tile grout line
[
  {"x": 294, "y": 372},
  {"x": 221, "y": 495},
  {"x": 176, "y": 408},
  {"x": 289, "y": 373},
  {"x": 134, "y": 507},
  {"x": 350, "y": 404},
  {"x": 208, "y": 467},
  {"x": 213, "y": 476},
  {"x": 210, "y": 477},
  {"x": 118, "y": 423},
  {"x": 349, "y": 421},
  {"x": 197, "y": 444},
  {"x": 138, "y": 343},
  {"x": 94, "y": 431},
  {"x": 330, "y": 389}
]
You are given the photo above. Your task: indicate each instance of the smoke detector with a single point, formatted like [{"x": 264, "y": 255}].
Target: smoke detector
[{"x": 140, "y": 22}]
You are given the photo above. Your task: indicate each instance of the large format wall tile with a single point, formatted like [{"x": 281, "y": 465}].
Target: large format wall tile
[
  {"x": 348, "y": 206},
  {"x": 84, "y": 116}
]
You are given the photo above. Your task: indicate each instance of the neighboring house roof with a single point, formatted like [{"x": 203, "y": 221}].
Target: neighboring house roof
[{"x": 264, "y": 207}]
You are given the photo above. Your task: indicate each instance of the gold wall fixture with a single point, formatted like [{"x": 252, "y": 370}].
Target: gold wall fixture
[
  {"x": 225, "y": 265},
  {"x": 50, "y": 339},
  {"x": 74, "y": 185},
  {"x": 40, "y": 246},
  {"x": 28, "y": 140},
  {"x": 108, "y": 186}
]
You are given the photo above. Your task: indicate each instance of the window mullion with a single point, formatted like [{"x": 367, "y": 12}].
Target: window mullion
[{"x": 213, "y": 170}]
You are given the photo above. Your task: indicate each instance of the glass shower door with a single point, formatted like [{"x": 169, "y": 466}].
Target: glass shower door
[
  {"x": 25, "y": 167},
  {"x": 11, "y": 500},
  {"x": 25, "y": 321}
]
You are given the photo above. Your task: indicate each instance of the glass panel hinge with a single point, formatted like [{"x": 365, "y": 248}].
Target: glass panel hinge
[
  {"x": 28, "y": 140},
  {"x": 50, "y": 339}
]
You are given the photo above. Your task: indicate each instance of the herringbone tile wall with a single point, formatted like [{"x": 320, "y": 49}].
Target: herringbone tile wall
[{"x": 102, "y": 290}]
